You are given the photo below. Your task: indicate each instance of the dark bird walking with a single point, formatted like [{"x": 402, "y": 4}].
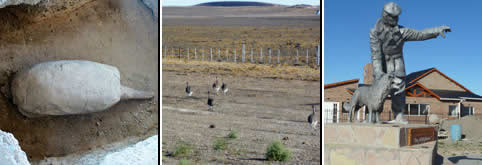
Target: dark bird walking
[
  {"x": 216, "y": 86},
  {"x": 312, "y": 118},
  {"x": 188, "y": 89},
  {"x": 224, "y": 87},
  {"x": 210, "y": 102}
]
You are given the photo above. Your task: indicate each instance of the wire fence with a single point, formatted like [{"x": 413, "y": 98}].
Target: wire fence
[{"x": 255, "y": 55}]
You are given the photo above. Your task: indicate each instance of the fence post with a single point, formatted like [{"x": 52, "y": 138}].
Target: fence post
[
  {"x": 195, "y": 54},
  {"x": 297, "y": 57},
  {"x": 179, "y": 53},
  {"x": 235, "y": 55},
  {"x": 269, "y": 55},
  {"x": 279, "y": 52},
  {"x": 261, "y": 55},
  {"x": 211, "y": 53},
  {"x": 244, "y": 52},
  {"x": 202, "y": 59},
  {"x": 306, "y": 56},
  {"x": 173, "y": 53},
  {"x": 187, "y": 54},
  {"x": 318, "y": 55},
  {"x": 219, "y": 54},
  {"x": 227, "y": 54},
  {"x": 252, "y": 61},
  {"x": 165, "y": 51}
]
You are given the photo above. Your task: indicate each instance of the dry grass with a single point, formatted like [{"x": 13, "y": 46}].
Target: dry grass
[
  {"x": 234, "y": 36},
  {"x": 287, "y": 39},
  {"x": 282, "y": 71}
]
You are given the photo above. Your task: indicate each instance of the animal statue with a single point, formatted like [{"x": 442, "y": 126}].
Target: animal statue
[
  {"x": 372, "y": 96},
  {"x": 70, "y": 87}
]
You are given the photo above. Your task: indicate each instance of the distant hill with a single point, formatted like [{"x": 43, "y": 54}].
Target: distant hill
[
  {"x": 235, "y": 4},
  {"x": 301, "y": 6}
]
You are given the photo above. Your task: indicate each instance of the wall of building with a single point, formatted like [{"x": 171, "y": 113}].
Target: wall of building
[
  {"x": 435, "y": 80},
  {"x": 441, "y": 108},
  {"x": 477, "y": 107},
  {"x": 339, "y": 93}
]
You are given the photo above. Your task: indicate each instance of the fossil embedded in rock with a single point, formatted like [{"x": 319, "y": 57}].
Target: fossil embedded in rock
[{"x": 70, "y": 87}]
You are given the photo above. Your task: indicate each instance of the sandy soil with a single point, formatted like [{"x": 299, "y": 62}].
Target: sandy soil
[
  {"x": 260, "y": 109},
  {"x": 121, "y": 33}
]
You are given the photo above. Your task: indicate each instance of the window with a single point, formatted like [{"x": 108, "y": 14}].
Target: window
[
  {"x": 467, "y": 111},
  {"x": 416, "y": 109},
  {"x": 452, "y": 110},
  {"x": 413, "y": 109},
  {"x": 424, "y": 108}
]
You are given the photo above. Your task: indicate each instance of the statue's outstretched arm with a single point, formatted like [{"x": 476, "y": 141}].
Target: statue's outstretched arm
[
  {"x": 417, "y": 35},
  {"x": 376, "y": 49}
]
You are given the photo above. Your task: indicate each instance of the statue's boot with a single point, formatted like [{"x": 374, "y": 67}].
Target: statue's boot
[
  {"x": 399, "y": 120},
  {"x": 377, "y": 118}
]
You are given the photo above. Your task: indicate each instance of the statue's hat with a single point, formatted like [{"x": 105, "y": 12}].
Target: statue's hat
[{"x": 392, "y": 9}]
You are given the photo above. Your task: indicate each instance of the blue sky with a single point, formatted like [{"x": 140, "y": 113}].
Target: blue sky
[
  {"x": 282, "y": 2},
  {"x": 459, "y": 55}
]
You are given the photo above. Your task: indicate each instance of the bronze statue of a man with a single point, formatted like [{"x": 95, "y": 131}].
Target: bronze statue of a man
[{"x": 386, "y": 44}]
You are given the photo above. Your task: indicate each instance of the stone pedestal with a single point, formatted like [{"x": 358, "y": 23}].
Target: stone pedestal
[{"x": 379, "y": 144}]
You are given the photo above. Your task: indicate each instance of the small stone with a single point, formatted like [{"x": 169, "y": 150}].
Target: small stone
[
  {"x": 285, "y": 138},
  {"x": 97, "y": 123}
]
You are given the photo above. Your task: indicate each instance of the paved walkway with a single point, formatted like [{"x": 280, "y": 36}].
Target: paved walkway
[{"x": 460, "y": 160}]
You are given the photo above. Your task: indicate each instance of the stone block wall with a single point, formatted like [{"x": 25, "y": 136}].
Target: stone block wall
[{"x": 369, "y": 144}]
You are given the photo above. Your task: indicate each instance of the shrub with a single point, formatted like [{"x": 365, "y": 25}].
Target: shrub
[
  {"x": 182, "y": 149},
  {"x": 276, "y": 151},
  {"x": 220, "y": 144},
  {"x": 233, "y": 134}
]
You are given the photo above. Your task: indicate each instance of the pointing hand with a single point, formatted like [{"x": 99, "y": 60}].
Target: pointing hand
[{"x": 444, "y": 29}]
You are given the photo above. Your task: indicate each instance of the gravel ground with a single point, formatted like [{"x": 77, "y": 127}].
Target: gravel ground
[{"x": 260, "y": 109}]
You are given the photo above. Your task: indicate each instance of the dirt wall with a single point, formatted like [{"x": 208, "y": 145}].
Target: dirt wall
[{"x": 121, "y": 33}]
